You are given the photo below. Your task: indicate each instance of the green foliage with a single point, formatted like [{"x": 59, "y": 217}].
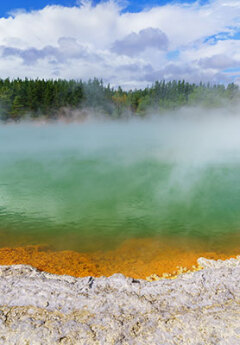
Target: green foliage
[
  {"x": 17, "y": 108},
  {"x": 34, "y": 98}
]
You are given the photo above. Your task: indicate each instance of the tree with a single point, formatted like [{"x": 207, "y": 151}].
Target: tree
[{"x": 17, "y": 108}]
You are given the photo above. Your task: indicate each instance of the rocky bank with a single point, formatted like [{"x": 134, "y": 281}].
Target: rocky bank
[{"x": 197, "y": 308}]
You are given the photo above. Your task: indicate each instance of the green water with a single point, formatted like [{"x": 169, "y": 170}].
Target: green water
[{"x": 90, "y": 186}]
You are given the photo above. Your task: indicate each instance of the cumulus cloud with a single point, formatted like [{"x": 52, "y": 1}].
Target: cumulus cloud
[
  {"x": 131, "y": 49},
  {"x": 186, "y": 72},
  {"x": 218, "y": 61},
  {"x": 135, "y": 43},
  {"x": 29, "y": 56},
  {"x": 67, "y": 48}
]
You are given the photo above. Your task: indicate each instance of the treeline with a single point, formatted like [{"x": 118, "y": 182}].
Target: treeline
[{"x": 54, "y": 98}]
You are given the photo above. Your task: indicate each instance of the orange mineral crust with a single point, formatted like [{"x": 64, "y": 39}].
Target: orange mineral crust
[{"x": 137, "y": 258}]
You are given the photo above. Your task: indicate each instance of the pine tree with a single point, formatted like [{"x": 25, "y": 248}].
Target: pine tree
[{"x": 17, "y": 108}]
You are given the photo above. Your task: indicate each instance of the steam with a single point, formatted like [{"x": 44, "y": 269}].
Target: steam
[
  {"x": 174, "y": 173},
  {"x": 191, "y": 136}
]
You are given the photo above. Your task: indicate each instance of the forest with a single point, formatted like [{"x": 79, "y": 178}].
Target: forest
[{"x": 52, "y": 99}]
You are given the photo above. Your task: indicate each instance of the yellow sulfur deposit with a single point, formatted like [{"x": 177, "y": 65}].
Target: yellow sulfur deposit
[{"x": 150, "y": 259}]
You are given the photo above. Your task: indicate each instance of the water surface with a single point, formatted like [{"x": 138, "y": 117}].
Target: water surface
[{"x": 90, "y": 186}]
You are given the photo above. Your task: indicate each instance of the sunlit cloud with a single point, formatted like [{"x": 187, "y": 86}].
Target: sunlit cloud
[{"x": 197, "y": 42}]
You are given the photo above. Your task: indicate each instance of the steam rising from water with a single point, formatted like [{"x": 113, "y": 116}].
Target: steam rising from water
[{"x": 70, "y": 184}]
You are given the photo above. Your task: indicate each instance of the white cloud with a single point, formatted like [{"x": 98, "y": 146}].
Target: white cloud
[
  {"x": 135, "y": 43},
  {"x": 218, "y": 61},
  {"x": 122, "y": 48}
]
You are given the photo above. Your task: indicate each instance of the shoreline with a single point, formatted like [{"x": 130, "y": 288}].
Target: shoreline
[
  {"x": 137, "y": 258},
  {"x": 200, "y": 307}
]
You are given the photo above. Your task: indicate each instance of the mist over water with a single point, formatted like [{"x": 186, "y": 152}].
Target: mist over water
[{"x": 91, "y": 185}]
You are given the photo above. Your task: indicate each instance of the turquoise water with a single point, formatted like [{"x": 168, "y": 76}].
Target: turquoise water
[{"x": 92, "y": 185}]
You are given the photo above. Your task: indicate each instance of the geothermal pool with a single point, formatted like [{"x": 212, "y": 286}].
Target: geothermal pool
[{"x": 128, "y": 193}]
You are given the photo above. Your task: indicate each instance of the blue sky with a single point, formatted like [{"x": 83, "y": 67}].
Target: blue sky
[
  {"x": 133, "y": 5},
  {"x": 8, "y": 6},
  {"x": 147, "y": 41}
]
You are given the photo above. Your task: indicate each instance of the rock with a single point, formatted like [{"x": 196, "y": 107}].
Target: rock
[{"x": 196, "y": 308}]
